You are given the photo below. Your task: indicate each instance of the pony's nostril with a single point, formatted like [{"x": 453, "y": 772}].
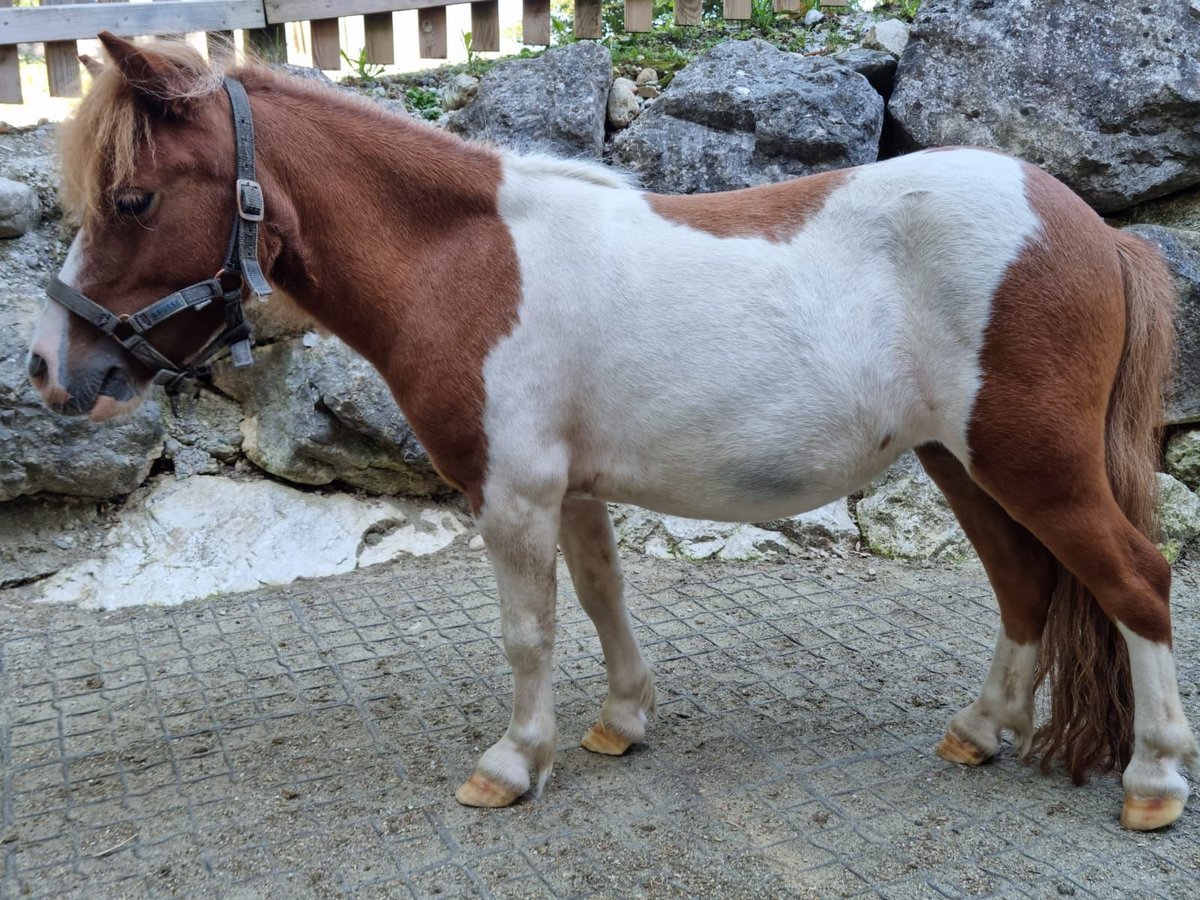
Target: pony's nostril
[{"x": 38, "y": 367}]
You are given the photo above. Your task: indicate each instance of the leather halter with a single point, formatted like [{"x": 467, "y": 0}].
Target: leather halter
[{"x": 241, "y": 269}]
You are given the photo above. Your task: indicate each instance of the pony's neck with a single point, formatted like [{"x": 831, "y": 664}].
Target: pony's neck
[{"x": 369, "y": 200}]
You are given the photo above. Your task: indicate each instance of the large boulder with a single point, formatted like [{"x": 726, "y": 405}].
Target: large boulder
[
  {"x": 1104, "y": 95},
  {"x": 1178, "y": 516},
  {"x": 903, "y": 515},
  {"x": 318, "y": 413},
  {"x": 1182, "y": 251},
  {"x": 1180, "y": 210},
  {"x": 555, "y": 103},
  {"x": 746, "y": 113},
  {"x": 41, "y": 451}
]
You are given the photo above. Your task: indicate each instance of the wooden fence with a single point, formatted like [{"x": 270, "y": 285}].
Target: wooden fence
[{"x": 58, "y": 24}]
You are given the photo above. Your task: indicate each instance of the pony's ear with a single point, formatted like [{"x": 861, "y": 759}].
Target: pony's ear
[
  {"x": 94, "y": 66},
  {"x": 161, "y": 85}
]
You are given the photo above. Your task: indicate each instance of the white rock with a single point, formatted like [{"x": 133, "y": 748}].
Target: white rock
[
  {"x": 476, "y": 543},
  {"x": 813, "y": 17},
  {"x": 890, "y": 35},
  {"x": 622, "y": 103},
  {"x": 190, "y": 539},
  {"x": 649, "y": 76}
]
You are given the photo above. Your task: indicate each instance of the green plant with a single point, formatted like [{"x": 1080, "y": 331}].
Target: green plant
[
  {"x": 362, "y": 68},
  {"x": 472, "y": 56},
  {"x": 907, "y": 9},
  {"x": 425, "y": 101}
]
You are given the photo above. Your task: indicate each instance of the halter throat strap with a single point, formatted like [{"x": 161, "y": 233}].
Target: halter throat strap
[{"x": 240, "y": 270}]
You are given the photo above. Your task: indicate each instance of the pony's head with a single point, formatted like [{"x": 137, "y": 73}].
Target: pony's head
[{"x": 149, "y": 174}]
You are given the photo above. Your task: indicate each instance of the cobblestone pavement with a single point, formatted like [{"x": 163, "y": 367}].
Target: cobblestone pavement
[{"x": 306, "y": 741}]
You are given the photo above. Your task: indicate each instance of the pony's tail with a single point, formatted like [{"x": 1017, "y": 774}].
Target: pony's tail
[{"x": 1090, "y": 727}]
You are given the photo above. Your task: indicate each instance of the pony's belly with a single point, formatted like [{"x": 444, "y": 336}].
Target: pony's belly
[{"x": 752, "y": 487}]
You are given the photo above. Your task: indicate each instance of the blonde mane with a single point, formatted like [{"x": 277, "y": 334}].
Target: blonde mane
[{"x": 99, "y": 145}]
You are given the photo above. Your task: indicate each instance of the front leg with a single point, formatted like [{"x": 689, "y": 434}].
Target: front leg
[{"x": 520, "y": 530}]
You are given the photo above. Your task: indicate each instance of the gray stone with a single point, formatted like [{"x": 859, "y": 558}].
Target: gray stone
[
  {"x": 41, "y": 451},
  {"x": 40, "y": 535},
  {"x": 1178, "y": 516},
  {"x": 206, "y": 421},
  {"x": 1182, "y": 251},
  {"x": 746, "y": 113},
  {"x": 904, "y": 515},
  {"x": 1183, "y": 458},
  {"x": 321, "y": 414},
  {"x": 19, "y": 208},
  {"x": 554, "y": 103},
  {"x": 1105, "y": 96},
  {"x": 890, "y": 36},
  {"x": 622, "y": 103},
  {"x": 813, "y": 17},
  {"x": 877, "y": 66},
  {"x": 305, "y": 72},
  {"x": 459, "y": 91},
  {"x": 1181, "y": 210}
]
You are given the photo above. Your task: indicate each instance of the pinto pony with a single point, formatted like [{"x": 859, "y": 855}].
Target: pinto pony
[{"x": 777, "y": 348}]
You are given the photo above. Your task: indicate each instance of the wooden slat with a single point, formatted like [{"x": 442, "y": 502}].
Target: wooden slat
[
  {"x": 10, "y": 69},
  {"x": 381, "y": 38},
  {"x": 83, "y": 20},
  {"x": 268, "y": 42},
  {"x": 485, "y": 26},
  {"x": 302, "y": 10},
  {"x": 535, "y": 22},
  {"x": 639, "y": 15},
  {"x": 689, "y": 12},
  {"x": 587, "y": 19},
  {"x": 326, "y": 44},
  {"x": 62, "y": 64},
  {"x": 786, "y": 5},
  {"x": 431, "y": 32},
  {"x": 220, "y": 44},
  {"x": 737, "y": 9}
]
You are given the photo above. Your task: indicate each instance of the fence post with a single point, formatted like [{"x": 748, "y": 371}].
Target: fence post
[
  {"x": 737, "y": 9},
  {"x": 10, "y": 70},
  {"x": 587, "y": 19},
  {"x": 786, "y": 5},
  {"x": 431, "y": 32},
  {"x": 535, "y": 22},
  {"x": 688, "y": 12},
  {"x": 381, "y": 38},
  {"x": 269, "y": 43},
  {"x": 326, "y": 44},
  {"x": 639, "y": 15},
  {"x": 62, "y": 63},
  {"x": 485, "y": 25}
]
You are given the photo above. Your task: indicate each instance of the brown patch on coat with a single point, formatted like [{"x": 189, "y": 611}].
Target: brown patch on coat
[
  {"x": 1063, "y": 436},
  {"x": 385, "y": 231},
  {"x": 772, "y": 211}
]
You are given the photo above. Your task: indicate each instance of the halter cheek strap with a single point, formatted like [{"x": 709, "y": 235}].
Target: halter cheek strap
[{"x": 241, "y": 263}]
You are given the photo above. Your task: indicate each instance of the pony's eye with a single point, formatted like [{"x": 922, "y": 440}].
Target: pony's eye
[{"x": 133, "y": 203}]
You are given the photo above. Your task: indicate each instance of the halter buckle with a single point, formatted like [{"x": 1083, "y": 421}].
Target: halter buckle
[{"x": 250, "y": 204}]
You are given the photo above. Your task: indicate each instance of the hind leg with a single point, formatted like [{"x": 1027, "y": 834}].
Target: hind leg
[
  {"x": 1078, "y": 519},
  {"x": 1022, "y": 573},
  {"x": 590, "y": 548}
]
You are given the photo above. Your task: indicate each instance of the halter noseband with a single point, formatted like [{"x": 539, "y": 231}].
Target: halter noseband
[{"x": 241, "y": 263}]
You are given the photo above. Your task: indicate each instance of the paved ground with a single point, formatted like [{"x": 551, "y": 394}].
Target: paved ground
[{"x": 306, "y": 742}]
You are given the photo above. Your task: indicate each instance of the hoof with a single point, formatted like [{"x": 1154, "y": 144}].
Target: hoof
[
  {"x": 600, "y": 740},
  {"x": 956, "y": 750},
  {"x": 1149, "y": 813},
  {"x": 479, "y": 790}
]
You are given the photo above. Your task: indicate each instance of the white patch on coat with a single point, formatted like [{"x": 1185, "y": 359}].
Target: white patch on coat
[
  {"x": 736, "y": 378},
  {"x": 1006, "y": 700},
  {"x": 51, "y": 332},
  {"x": 1162, "y": 738}
]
